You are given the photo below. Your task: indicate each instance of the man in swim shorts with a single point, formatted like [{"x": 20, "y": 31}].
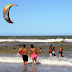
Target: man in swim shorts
[
  {"x": 25, "y": 55},
  {"x": 60, "y": 51},
  {"x": 20, "y": 51},
  {"x": 34, "y": 53}
]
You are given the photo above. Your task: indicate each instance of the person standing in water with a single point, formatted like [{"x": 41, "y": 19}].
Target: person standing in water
[
  {"x": 40, "y": 50},
  {"x": 20, "y": 51},
  {"x": 34, "y": 53},
  {"x": 60, "y": 51},
  {"x": 53, "y": 52},
  {"x": 25, "y": 55},
  {"x": 50, "y": 50}
]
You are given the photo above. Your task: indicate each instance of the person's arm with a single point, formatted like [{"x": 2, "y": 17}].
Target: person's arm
[
  {"x": 62, "y": 49},
  {"x": 51, "y": 50},
  {"x": 36, "y": 51},
  {"x": 30, "y": 53},
  {"x": 27, "y": 52},
  {"x": 59, "y": 49},
  {"x": 22, "y": 52}
]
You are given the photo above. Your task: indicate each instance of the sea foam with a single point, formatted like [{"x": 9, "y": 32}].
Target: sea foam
[
  {"x": 44, "y": 61},
  {"x": 36, "y": 40}
]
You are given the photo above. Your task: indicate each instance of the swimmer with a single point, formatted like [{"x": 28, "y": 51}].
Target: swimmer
[
  {"x": 53, "y": 52},
  {"x": 14, "y": 48},
  {"x": 50, "y": 50},
  {"x": 60, "y": 51},
  {"x": 6, "y": 46},
  {"x": 40, "y": 50},
  {"x": 20, "y": 51}
]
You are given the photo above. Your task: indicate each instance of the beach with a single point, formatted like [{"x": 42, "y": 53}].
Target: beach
[
  {"x": 19, "y": 67},
  {"x": 11, "y": 62}
]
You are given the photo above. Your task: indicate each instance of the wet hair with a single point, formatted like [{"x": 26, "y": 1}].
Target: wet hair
[
  {"x": 50, "y": 45},
  {"x": 61, "y": 45},
  {"x": 53, "y": 48},
  {"x": 24, "y": 46},
  {"x": 20, "y": 45},
  {"x": 32, "y": 46},
  {"x": 6, "y": 45},
  {"x": 14, "y": 48},
  {"x": 40, "y": 48}
]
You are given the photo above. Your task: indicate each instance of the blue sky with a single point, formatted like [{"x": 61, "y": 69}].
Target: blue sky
[{"x": 37, "y": 17}]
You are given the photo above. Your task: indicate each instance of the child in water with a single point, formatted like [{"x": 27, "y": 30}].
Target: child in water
[
  {"x": 53, "y": 52},
  {"x": 40, "y": 50}
]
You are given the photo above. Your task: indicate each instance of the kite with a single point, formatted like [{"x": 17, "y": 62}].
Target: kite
[{"x": 6, "y": 12}]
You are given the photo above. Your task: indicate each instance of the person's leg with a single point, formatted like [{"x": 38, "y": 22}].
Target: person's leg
[
  {"x": 24, "y": 60},
  {"x": 59, "y": 55},
  {"x": 24, "y": 63},
  {"x": 33, "y": 61},
  {"x": 50, "y": 54},
  {"x": 21, "y": 56}
]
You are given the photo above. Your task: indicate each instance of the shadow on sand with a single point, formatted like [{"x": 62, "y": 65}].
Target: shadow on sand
[{"x": 38, "y": 63}]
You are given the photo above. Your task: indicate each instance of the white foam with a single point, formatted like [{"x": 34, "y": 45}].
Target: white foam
[
  {"x": 47, "y": 61},
  {"x": 31, "y": 40},
  {"x": 68, "y": 40},
  {"x": 36, "y": 40}
]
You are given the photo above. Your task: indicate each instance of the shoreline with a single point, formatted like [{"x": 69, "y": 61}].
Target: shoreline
[{"x": 11, "y": 67}]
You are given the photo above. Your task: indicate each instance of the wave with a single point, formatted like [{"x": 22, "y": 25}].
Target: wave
[
  {"x": 47, "y": 61},
  {"x": 36, "y": 40}
]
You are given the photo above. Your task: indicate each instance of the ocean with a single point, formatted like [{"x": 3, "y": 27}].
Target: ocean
[{"x": 11, "y": 62}]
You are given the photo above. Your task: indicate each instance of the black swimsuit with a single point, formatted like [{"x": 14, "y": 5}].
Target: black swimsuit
[{"x": 60, "y": 52}]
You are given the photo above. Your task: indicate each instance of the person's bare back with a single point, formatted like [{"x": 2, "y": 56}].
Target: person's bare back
[
  {"x": 25, "y": 55},
  {"x": 33, "y": 50},
  {"x": 34, "y": 53},
  {"x": 24, "y": 51}
]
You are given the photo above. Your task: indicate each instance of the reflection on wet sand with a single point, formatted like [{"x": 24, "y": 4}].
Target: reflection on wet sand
[
  {"x": 34, "y": 69},
  {"x": 31, "y": 69},
  {"x": 25, "y": 69}
]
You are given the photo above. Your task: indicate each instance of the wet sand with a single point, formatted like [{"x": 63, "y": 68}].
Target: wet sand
[{"x": 19, "y": 67}]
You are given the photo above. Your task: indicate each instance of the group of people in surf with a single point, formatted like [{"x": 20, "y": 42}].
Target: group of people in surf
[
  {"x": 33, "y": 52},
  {"x": 24, "y": 53},
  {"x": 52, "y": 51}
]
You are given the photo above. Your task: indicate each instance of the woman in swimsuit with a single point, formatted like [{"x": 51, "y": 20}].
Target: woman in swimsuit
[{"x": 60, "y": 51}]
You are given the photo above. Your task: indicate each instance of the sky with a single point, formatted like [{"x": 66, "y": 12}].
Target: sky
[{"x": 37, "y": 18}]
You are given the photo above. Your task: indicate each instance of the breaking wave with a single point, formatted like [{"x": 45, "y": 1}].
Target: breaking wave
[
  {"x": 41, "y": 60},
  {"x": 36, "y": 40}
]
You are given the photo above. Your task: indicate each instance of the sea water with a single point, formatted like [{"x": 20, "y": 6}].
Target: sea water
[{"x": 11, "y": 62}]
